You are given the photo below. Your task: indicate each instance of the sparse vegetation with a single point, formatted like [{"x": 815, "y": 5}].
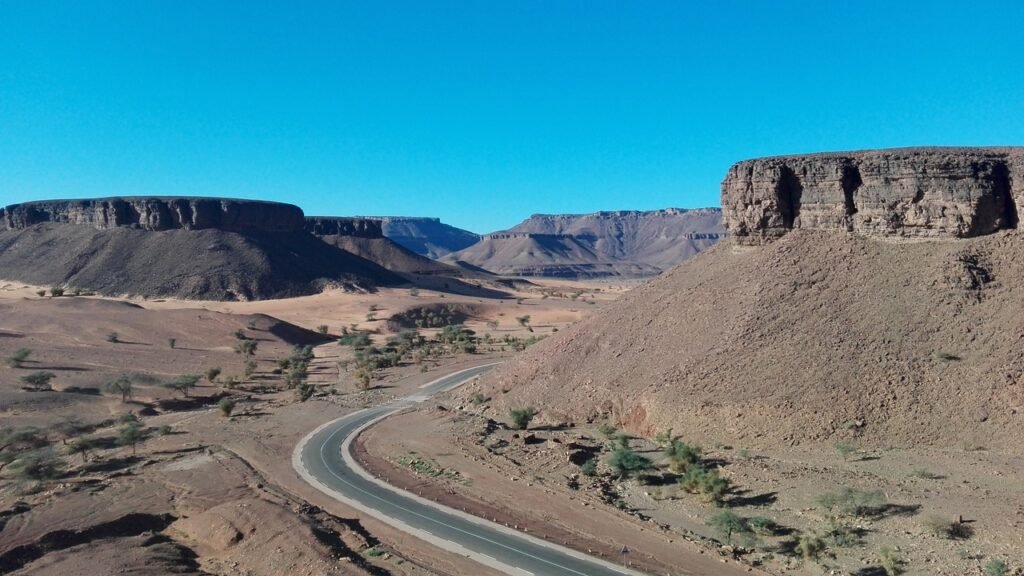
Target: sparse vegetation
[
  {"x": 130, "y": 434},
  {"x": 627, "y": 462},
  {"x": 844, "y": 450},
  {"x": 996, "y": 567},
  {"x": 184, "y": 383},
  {"x": 589, "y": 468},
  {"x": 682, "y": 456},
  {"x": 212, "y": 374},
  {"x": 226, "y": 406},
  {"x": 925, "y": 474},
  {"x": 945, "y": 528},
  {"x": 478, "y": 398},
  {"x": 246, "y": 347},
  {"x": 810, "y": 547},
  {"x": 322, "y": 329},
  {"x": 172, "y": 343},
  {"x": 708, "y": 483},
  {"x": 853, "y": 502},
  {"x": 82, "y": 447},
  {"x": 729, "y": 524},
  {"x": 521, "y": 417},
  {"x": 38, "y": 381},
  {"x": 304, "y": 391},
  {"x": 121, "y": 385},
  {"x": 19, "y": 357},
  {"x": 891, "y": 561},
  {"x": 113, "y": 337},
  {"x": 56, "y": 291}
]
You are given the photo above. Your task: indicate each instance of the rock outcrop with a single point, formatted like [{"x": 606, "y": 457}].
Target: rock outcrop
[
  {"x": 427, "y": 236},
  {"x": 338, "y": 226},
  {"x": 155, "y": 214},
  {"x": 903, "y": 192}
]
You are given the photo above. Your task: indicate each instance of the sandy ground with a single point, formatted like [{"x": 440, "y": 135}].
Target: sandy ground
[
  {"x": 525, "y": 477},
  {"x": 204, "y": 492}
]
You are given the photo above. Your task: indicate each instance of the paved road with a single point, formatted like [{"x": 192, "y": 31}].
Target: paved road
[{"x": 324, "y": 459}]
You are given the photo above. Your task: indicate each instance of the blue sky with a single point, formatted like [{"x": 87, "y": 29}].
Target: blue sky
[{"x": 482, "y": 112}]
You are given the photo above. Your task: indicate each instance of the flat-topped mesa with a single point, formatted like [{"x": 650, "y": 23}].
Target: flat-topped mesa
[
  {"x": 342, "y": 226},
  {"x": 159, "y": 213},
  {"x": 903, "y": 192},
  {"x": 513, "y": 235}
]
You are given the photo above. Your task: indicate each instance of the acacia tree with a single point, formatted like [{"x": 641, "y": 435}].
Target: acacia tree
[
  {"x": 183, "y": 383},
  {"x": 130, "y": 435},
  {"x": 246, "y": 348},
  {"x": 38, "y": 381},
  {"x": 121, "y": 385},
  {"x": 20, "y": 356},
  {"x": 82, "y": 446}
]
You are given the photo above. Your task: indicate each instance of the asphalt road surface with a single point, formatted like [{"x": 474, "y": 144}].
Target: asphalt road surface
[{"x": 324, "y": 459}]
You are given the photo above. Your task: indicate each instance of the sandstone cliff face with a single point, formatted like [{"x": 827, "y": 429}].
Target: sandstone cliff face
[
  {"x": 334, "y": 226},
  {"x": 243, "y": 216},
  {"x": 912, "y": 192}
]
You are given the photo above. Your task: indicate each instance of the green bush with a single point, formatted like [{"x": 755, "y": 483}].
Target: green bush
[
  {"x": 211, "y": 374},
  {"x": 121, "y": 385},
  {"x": 589, "y": 468},
  {"x": 19, "y": 356},
  {"x": 729, "y": 524},
  {"x": 627, "y": 462},
  {"x": 996, "y": 567},
  {"x": 844, "y": 450},
  {"x": 130, "y": 435},
  {"x": 708, "y": 483},
  {"x": 521, "y": 417},
  {"x": 56, "y": 291},
  {"x": 226, "y": 406},
  {"x": 113, "y": 337},
  {"x": 39, "y": 381},
  {"x": 183, "y": 383},
  {"x": 854, "y": 502},
  {"x": 683, "y": 456},
  {"x": 891, "y": 561}
]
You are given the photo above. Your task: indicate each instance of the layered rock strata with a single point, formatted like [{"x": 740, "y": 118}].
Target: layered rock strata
[{"x": 909, "y": 192}]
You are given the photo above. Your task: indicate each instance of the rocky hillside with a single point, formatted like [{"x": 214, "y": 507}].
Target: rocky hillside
[
  {"x": 177, "y": 247},
  {"x": 427, "y": 236},
  {"x": 658, "y": 238},
  {"x": 546, "y": 255},
  {"x": 598, "y": 245},
  {"x": 822, "y": 334}
]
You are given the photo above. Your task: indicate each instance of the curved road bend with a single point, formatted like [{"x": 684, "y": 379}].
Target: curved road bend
[{"x": 324, "y": 459}]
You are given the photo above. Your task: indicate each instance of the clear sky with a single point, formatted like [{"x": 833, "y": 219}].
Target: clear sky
[{"x": 483, "y": 112}]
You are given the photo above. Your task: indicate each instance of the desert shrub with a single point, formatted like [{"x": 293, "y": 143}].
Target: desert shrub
[
  {"x": 945, "y": 528},
  {"x": 521, "y": 417},
  {"x": 304, "y": 391},
  {"x": 322, "y": 329},
  {"x": 664, "y": 438},
  {"x": 589, "y": 468},
  {"x": 478, "y": 398},
  {"x": 184, "y": 383},
  {"x": 621, "y": 440},
  {"x": 164, "y": 430},
  {"x": 246, "y": 347},
  {"x": 40, "y": 293},
  {"x": 226, "y": 406},
  {"x": 16, "y": 359},
  {"x": 996, "y": 567},
  {"x": 38, "y": 465},
  {"x": 608, "y": 430},
  {"x": 364, "y": 378},
  {"x": 627, "y": 462},
  {"x": 38, "y": 381},
  {"x": 121, "y": 385},
  {"x": 729, "y": 524},
  {"x": 374, "y": 552},
  {"x": 211, "y": 374},
  {"x": 357, "y": 340},
  {"x": 231, "y": 382},
  {"x": 841, "y": 534},
  {"x": 56, "y": 291},
  {"x": 81, "y": 446},
  {"x": 113, "y": 337},
  {"x": 844, "y": 450},
  {"x": 891, "y": 561},
  {"x": 708, "y": 483},
  {"x": 925, "y": 474},
  {"x": 682, "y": 456},
  {"x": 172, "y": 343},
  {"x": 249, "y": 368},
  {"x": 240, "y": 334},
  {"x": 854, "y": 502},
  {"x": 16, "y": 441},
  {"x": 127, "y": 418},
  {"x": 763, "y": 526},
  {"x": 810, "y": 547}
]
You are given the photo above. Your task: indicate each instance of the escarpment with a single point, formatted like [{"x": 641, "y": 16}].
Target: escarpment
[
  {"x": 910, "y": 192},
  {"x": 340, "y": 226},
  {"x": 196, "y": 248},
  {"x": 156, "y": 214}
]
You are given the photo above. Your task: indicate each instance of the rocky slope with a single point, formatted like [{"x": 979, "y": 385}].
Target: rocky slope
[
  {"x": 907, "y": 192},
  {"x": 427, "y": 236},
  {"x": 658, "y": 238},
  {"x": 548, "y": 255},
  {"x": 178, "y": 247},
  {"x": 818, "y": 335}
]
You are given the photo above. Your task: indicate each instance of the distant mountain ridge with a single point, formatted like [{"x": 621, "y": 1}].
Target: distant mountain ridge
[
  {"x": 426, "y": 236},
  {"x": 626, "y": 243}
]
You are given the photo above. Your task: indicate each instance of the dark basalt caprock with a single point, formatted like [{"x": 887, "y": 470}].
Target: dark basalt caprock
[
  {"x": 902, "y": 192},
  {"x": 159, "y": 213}
]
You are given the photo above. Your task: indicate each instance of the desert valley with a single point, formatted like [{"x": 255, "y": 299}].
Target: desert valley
[{"x": 832, "y": 383}]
